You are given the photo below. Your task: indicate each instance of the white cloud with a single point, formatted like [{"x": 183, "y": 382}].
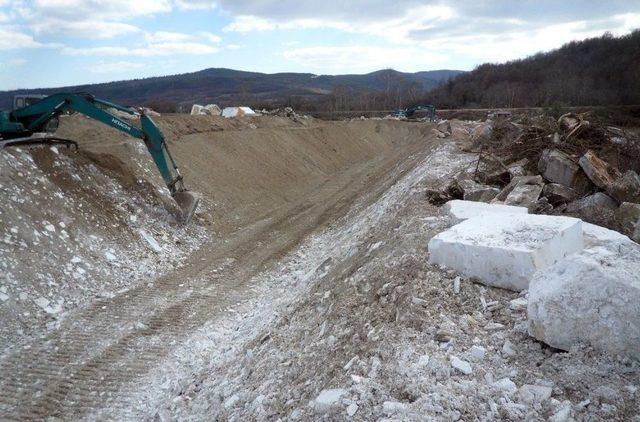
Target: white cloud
[
  {"x": 360, "y": 58},
  {"x": 393, "y": 28},
  {"x": 115, "y": 67},
  {"x": 149, "y": 50},
  {"x": 195, "y": 4},
  {"x": 116, "y": 10},
  {"x": 14, "y": 40},
  {"x": 83, "y": 28},
  {"x": 161, "y": 43},
  {"x": 89, "y": 18}
]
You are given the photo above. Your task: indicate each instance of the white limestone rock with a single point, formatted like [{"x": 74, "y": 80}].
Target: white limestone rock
[
  {"x": 461, "y": 365},
  {"x": 461, "y": 210},
  {"x": 505, "y": 250},
  {"x": 328, "y": 399},
  {"x": 590, "y": 298},
  {"x": 534, "y": 393}
]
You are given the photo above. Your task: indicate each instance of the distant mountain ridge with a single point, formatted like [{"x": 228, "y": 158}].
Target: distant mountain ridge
[{"x": 227, "y": 86}]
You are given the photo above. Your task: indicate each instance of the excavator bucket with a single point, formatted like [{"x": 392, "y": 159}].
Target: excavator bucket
[{"x": 188, "y": 203}]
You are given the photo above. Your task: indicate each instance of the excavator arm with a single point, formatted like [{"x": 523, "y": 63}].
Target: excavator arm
[{"x": 36, "y": 117}]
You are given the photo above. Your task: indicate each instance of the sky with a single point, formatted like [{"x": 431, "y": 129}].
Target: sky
[{"x": 52, "y": 43}]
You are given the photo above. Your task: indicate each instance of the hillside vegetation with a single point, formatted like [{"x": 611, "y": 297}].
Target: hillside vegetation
[
  {"x": 596, "y": 71},
  {"x": 232, "y": 87}
]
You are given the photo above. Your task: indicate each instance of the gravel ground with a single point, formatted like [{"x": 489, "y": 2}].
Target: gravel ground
[{"x": 377, "y": 333}]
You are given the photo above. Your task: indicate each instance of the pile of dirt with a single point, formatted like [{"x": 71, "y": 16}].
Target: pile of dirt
[{"x": 78, "y": 226}]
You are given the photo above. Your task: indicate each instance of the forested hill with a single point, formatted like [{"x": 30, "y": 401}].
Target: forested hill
[
  {"x": 596, "y": 71},
  {"x": 232, "y": 87}
]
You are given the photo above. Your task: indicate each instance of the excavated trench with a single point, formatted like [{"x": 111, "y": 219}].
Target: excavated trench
[{"x": 267, "y": 184}]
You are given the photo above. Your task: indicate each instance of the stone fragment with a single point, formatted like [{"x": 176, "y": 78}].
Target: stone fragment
[
  {"x": 151, "y": 241},
  {"x": 518, "y": 168},
  {"x": 518, "y": 304},
  {"x": 505, "y": 250},
  {"x": 391, "y": 407},
  {"x": 505, "y": 385},
  {"x": 352, "y": 409},
  {"x": 477, "y": 352},
  {"x": 444, "y": 127},
  {"x": 563, "y": 413},
  {"x": 507, "y": 348},
  {"x": 598, "y": 208},
  {"x": 628, "y": 219},
  {"x": 598, "y": 171},
  {"x": 482, "y": 132},
  {"x": 328, "y": 399},
  {"x": 557, "y": 167},
  {"x": 515, "y": 182},
  {"x": 476, "y": 192},
  {"x": 558, "y": 194},
  {"x": 532, "y": 394},
  {"x": 212, "y": 110},
  {"x": 461, "y": 365},
  {"x": 524, "y": 196},
  {"x": 589, "y": 298},
  {"x": 196, "y": 109},
  {"x": 626, "y": 188},
  {"x": 231, "y": 401}
]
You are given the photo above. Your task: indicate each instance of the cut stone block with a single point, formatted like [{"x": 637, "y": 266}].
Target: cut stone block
[
  {"x": 505, "y": 250},
  {"x": 476, "y": 192},
  {"x": 597, "y": 208},
  {"x": 524, "y": 196},
  {"x": 515, "y": 182},
  {"x": 557, "y": 167},
  {"x": 628, "y": 218},
  {"x": 461, "y": 210},
  {"x": 590, "y": 298},
  {"x": 558, "y": 194},
  {"x": 600, "y": 172},
  {"x": 626, "y": 188}
]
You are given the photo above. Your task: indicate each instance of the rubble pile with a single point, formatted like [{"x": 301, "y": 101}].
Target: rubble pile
[
  {"x": 207, "y": 110},
  {"x": 287, "y": 112},
  {"x": 570, "y": 166}
]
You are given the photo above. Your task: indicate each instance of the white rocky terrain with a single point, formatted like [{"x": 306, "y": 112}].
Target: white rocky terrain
[{"x": 307, "y": 287}]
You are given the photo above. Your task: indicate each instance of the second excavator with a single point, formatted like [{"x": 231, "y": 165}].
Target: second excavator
[{"x": 34, "y": 119}]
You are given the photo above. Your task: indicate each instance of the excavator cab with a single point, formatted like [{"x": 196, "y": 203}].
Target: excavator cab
[{"x": 25, "y": 100}]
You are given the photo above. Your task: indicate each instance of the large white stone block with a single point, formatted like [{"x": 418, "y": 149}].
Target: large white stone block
[
  {"x": 461, "y": 210},
  {"x": 590, "y": 298},
  {"x": 505, "y": 250}
]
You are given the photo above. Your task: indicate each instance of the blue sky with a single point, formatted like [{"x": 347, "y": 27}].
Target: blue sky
[{"x": 46, "y": 43}]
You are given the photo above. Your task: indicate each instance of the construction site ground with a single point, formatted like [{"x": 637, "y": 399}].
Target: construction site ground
[{"x": 301, "y": 290}]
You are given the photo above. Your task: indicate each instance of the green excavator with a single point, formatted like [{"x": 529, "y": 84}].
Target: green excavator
[{"x": 35, "y": 118}]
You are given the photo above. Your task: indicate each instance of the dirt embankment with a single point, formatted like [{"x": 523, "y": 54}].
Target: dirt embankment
[{"x": 86, "y": 235}]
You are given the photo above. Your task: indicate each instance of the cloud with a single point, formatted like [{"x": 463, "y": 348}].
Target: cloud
[
  {"x": 195, "y": 4},
  {"x": 12, "y": 63},
  {"x": 93, "y": 19},
  {"x": 358, "y": 58},
  {"x": 148, "y": 50},
  {"x": 115, "y": 67},
  {"x": 115, "y": 10},
  {"x": 14, "y": 40},
  {"x": 160, "y": 43},
  {"x": 83, "y": 28}
]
